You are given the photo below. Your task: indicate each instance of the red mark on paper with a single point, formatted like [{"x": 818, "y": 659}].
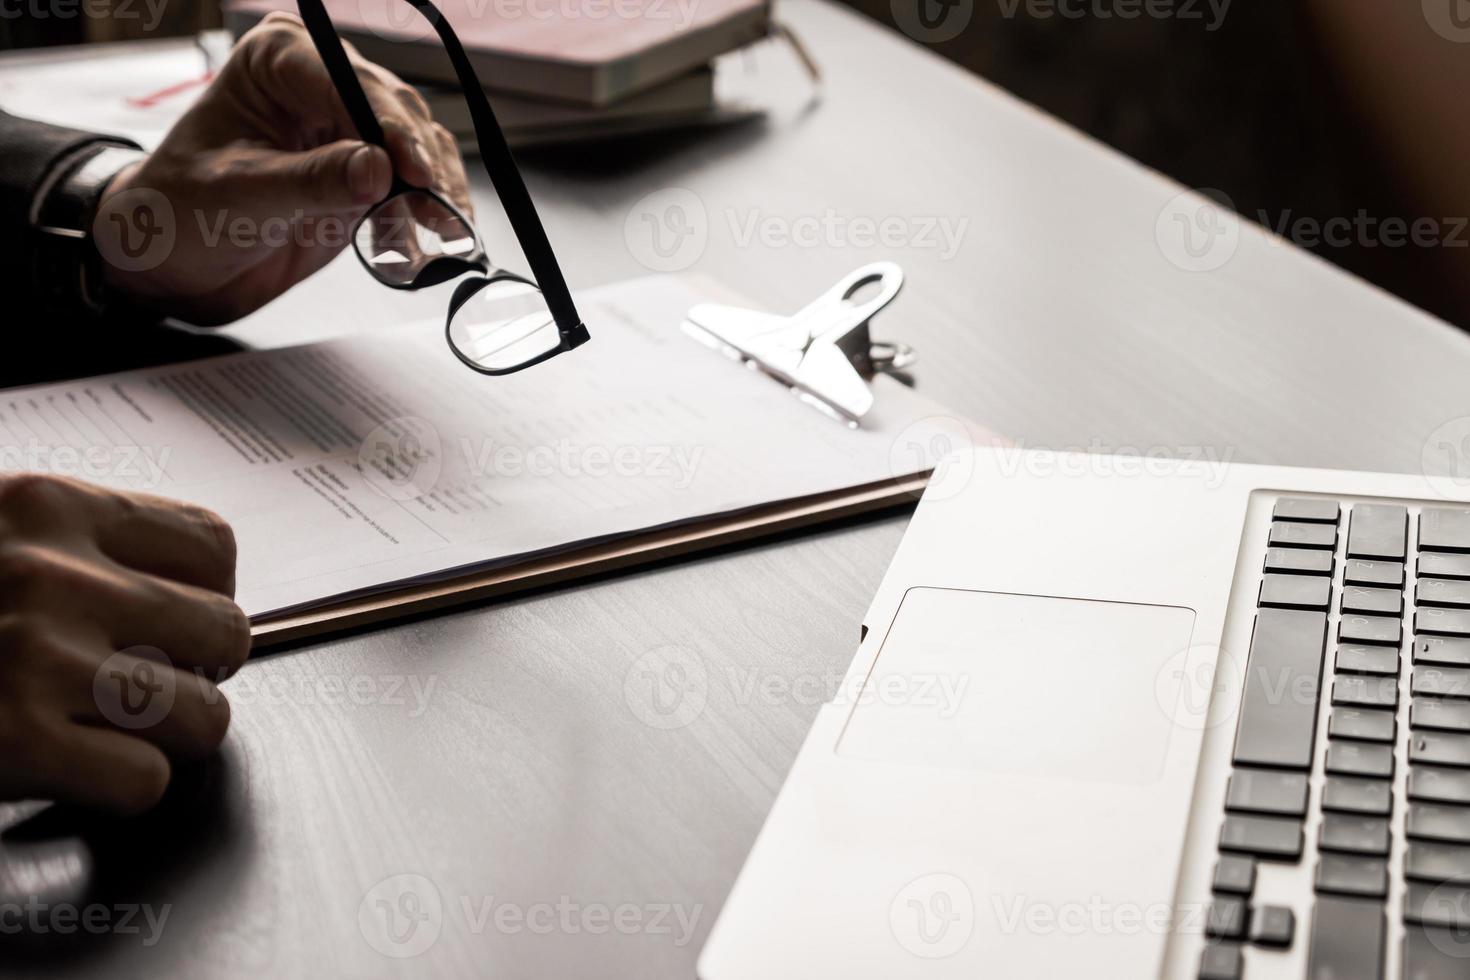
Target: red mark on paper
[{"x": 164, "y": 94}]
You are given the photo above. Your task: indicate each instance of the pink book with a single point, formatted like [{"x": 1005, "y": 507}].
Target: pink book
[{"x": 590, "y": 52}]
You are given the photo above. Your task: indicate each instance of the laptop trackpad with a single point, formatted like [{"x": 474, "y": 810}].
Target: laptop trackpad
[{"x": 1046, "y": 687}]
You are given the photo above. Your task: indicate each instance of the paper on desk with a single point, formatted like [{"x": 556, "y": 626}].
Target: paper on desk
[
  {"x": 359, "y": 464},
  {"x": 138, "y": 95}
]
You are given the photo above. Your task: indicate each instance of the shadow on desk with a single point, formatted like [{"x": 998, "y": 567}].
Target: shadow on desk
[
  {"x": 624, "y": 155},
  {"x": 62, "y": 353},
  {"x": 77, "y": 887}
]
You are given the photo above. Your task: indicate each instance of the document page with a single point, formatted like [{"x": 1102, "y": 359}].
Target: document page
[{"x": 360, "y": 464}]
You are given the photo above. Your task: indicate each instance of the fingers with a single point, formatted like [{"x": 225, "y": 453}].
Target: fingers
[
  {"x": 78, "y": 676},
  {"x": 196, "y": 629},
  {"x": 424, "y": 153},
  {"x": 78, "y": 555},
  {"x": 139, "y": 693},
  {"x": 115, "y": 628},
  {"x": 406, "y": 123},
  {"x": 152, "y": 534},
  {"x": 453, "y": 180},
  {"x": 90, "y": 767},
  {"x": 276, "y": 71},
  {"x": 347, "y": 175},
  {"x": 279, "y": 59},
  {"x": 166, "y": 538},
  {"x": 46, "y": 680}
]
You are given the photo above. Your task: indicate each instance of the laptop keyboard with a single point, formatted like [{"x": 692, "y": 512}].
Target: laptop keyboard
[{"x": 1375, "y": 650}]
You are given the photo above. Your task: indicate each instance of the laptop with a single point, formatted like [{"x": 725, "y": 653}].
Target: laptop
[{"x": 1121, "y": 717}]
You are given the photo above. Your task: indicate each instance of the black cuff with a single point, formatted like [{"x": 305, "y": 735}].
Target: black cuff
[{"x": 67, "y": 270}]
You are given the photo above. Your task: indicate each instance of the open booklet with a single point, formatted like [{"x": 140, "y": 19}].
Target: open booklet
[{"x": 367, "y": 464}]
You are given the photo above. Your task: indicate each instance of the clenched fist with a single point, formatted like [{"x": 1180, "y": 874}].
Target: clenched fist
[{"x": 116, "y": 625}]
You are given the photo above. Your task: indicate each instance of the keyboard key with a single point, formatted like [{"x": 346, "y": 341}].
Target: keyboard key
[
  {"x": 1226, "y": 918},
  {"x": 1445, "y": 905},
  {"x": 1355, "y": 835},
  {"x": 1359, "y": 759},
  {"x": 1440, "y": 682},
  {"x": 1444, "y": 566},
  {"x": 1370, "y": 629},
  {"x": 1345, "y": 874},
  {"x": 1295, "y": 592},
  {"x": 1433, "y": 954},
  {"x": 1439, "y": 785},
  {"x": 1378, "y": 531},
  {"x": 1220, "y": 961},
  {"x": 1361, "y": 658},
  {"x": 1299, "y": 561},
  {"x": 1234, "y": 875},
  {"x": 1263, "y": 791},
  {"x": 1366, "y": 692},
  {"x": 1359, "y": 571},
  {"x": 1312, "y": 510},
  {"x": 1452, "y": 651},
  {"x": 1351, "y": 794},
  {"x": 1285, "y": 534},
  {"x": 1272, "y": 925},
  {"x": 1431, "y": 821},
  {"x": 1347, "y": 940},
  {"x": 1363, "y": 724},
  {"x": 1441, "y": 592},
  {"x": 1444, "y": 622},
  {"x": 1439, "y": 748},
  {"x": 1267, "y": 837},
  {"x": 1442, "y": 529},
  {"x": 1447, "y": 716},
  {"x": 1435, "y": 863},
  {"x": 1278, "y": 707},
  {"x": 1364, "y": 599}
]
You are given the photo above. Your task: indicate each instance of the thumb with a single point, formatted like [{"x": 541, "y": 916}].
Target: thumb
[{"x": 340, "y": 176}]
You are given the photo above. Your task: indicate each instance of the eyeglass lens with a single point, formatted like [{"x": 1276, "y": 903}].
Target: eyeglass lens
[
  {"x": 405, "y": 234},
  {"x": 504, "y": 325}
]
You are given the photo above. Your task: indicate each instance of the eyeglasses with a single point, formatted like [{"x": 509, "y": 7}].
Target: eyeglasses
[{"x": 498, "y": 322}]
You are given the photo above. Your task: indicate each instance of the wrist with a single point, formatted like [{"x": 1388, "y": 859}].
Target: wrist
[
  {"x": 119, "y": 182},
  {"x": 125, "y": 230}
]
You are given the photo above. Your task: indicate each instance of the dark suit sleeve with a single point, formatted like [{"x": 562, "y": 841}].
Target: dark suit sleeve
[{"x": 30, "y": 154}]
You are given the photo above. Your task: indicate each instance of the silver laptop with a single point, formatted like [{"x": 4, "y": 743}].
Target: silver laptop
[{"x": 1128, "y": 718}]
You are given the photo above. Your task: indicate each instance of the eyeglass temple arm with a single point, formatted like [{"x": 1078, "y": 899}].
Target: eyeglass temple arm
[
  {"x": 334, "y": 56},
  {"x": 509, "y": 185},
  {"x": 506, "y": 178}
]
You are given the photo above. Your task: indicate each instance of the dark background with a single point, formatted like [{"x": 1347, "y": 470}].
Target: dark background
[{"x": 1258, "y": 108}]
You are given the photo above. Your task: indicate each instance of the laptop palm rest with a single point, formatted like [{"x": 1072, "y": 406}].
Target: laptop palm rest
[{"x": 1032, "y": 686}]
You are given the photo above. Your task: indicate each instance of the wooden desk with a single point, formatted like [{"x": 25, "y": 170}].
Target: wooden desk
[{"x": 532, "y": 777}]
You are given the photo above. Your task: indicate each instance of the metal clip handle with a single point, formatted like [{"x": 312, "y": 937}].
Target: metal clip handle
[
  {"x": 847, "y": 323},
  {"x": 825, "y": 350}
]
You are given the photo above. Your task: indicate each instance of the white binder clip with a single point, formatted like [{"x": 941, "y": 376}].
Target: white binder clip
[{"x": 824, "y": 352}]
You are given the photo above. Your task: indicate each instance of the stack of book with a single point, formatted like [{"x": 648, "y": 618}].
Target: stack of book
[{"x": 555, "y": 70}]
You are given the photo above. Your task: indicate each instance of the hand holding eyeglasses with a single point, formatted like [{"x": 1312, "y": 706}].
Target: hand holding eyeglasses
[{"x": 264, "y": 180}]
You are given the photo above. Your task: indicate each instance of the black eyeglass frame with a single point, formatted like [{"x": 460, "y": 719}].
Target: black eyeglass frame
[{"x": 499, "y": 164}]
